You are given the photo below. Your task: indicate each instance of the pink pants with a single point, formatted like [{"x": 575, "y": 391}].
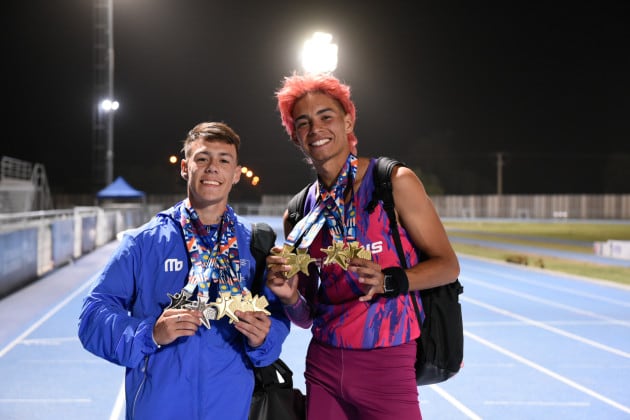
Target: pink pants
[{"x": 373, "y": 384}]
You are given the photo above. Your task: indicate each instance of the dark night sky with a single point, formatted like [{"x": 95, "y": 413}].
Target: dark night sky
[{"x": 441, "y": 88}]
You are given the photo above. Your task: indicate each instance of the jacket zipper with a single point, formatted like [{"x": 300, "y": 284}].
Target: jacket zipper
[{"x": 144, "y": 378}]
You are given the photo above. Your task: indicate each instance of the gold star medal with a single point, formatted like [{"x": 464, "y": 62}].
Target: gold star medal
[
  {"x": 287, "y": 251},
  {"x": 291, "y": 257},
  {"x": 260, "y": 303},
  {"x": 335, "y": 254},
  {"x": 356, "y": 250},
  {"x": 302, "y": 260},
  {"x": 223, "y": 304}
]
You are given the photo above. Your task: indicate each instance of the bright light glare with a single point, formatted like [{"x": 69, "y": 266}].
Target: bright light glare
[
  {"x": 255, "y": 180},
  {"x": 249, "y": 174},
  {"x": 244, "y": 169},
  {"x": 109, "y": 105},
  {"x": 318, "y": 54},
  {"x": 172, "y": 159}
]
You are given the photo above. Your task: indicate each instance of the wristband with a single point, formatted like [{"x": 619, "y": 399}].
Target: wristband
[{"x": 395, "y": 282}]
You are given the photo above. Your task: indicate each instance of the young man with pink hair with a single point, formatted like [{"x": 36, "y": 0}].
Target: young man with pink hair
[{"x": 356, "y": 297}]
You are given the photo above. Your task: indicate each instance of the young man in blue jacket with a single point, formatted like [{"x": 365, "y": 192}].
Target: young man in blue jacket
[{"x": 174, "y": 303}]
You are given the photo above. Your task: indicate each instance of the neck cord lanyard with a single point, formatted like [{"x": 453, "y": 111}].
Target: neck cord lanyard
[
  {"x": 331, "y": 209},
  {"x": 214, "y": 256}
]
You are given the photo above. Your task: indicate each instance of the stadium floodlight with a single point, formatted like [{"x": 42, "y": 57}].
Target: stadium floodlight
[
  {"x": 109, "y": 105},
  {"x": 319, "y": 54}
]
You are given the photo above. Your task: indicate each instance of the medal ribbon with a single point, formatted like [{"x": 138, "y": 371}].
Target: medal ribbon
[
  {"x": 331, "y": 210},
  {"x": 214, "y": 256}
]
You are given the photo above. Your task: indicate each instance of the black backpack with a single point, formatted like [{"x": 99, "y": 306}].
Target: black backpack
[
  {"x": 263, "y": 239},
  {"x": 441, "y": 344},
  {"x": 271, "y": 398}
]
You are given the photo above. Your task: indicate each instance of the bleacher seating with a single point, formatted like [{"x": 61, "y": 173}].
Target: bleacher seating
[{"x": 23, "y": 186}]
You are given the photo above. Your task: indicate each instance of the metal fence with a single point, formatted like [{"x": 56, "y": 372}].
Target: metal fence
[
  {"x": 570, "y": 206},
  {"x": 34, "y": 243}
]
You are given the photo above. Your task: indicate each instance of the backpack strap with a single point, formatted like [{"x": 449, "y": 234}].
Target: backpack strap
[
  {"x": 295, "y": 208},
  {"x": 382, "y": 176},
  {"x": 263, "y": 239},
  {"x": 383, "y": 191}
]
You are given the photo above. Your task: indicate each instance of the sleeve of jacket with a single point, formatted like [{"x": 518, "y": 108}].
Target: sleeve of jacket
[{"x": 106, "y": 327}]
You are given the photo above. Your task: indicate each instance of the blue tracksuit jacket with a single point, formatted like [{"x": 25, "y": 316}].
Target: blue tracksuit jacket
[{"x": 205, "y": 376}]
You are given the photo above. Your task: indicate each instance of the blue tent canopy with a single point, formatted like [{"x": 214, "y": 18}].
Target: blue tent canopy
[{"x": 119, "y": 189}]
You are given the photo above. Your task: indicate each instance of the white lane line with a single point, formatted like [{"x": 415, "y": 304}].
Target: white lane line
[
  {"x": 566, "y": 290},
  {"x": 568, "y": 308},
  {"x": 544, "y": 326},
  {"x": 461, "y": 407},
  {"x": 45, "y": 400},
  {"x": 50, "y": 341},
  {"x": 548, "y": 372},
  {"x": 549, "y": 322},
  {"x": 540, "y": 403},
  {"x": 119, "y": 405},
  {"x": 45, "y": 318}
]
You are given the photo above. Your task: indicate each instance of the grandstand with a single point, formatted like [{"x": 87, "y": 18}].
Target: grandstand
[{"x": 23, "y": 186}]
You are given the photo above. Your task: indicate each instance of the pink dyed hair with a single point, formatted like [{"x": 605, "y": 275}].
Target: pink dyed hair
[{"x": 296, "y": 86}]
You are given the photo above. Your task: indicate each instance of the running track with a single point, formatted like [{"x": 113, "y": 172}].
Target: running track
[{"x": 537, "y": 346}]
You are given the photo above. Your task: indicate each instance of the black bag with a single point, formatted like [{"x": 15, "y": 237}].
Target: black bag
[
  {"x": 274, "y": 397},
  {"x": 441, "y": 345}
]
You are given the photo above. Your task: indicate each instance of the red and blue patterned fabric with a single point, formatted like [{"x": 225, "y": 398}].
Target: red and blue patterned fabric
[{"x": 339, "y": 318}]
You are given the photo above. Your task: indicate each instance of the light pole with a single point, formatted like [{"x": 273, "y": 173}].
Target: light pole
[
  {"x": 500, "y": 164},
  {"x": 109, "y": 102},
  {"x": 105, "y": 105}
]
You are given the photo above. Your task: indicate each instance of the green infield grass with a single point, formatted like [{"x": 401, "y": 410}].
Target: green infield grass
[{"x": 560, "y": 235}]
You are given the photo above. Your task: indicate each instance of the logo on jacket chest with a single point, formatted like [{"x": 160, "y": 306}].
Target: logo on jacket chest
[{"x": 173, "y": 264}]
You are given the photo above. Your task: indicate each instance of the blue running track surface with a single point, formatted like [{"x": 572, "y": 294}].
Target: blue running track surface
[{"x": 538, "y": 345}]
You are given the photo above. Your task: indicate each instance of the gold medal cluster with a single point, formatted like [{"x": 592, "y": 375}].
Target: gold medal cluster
[
  {"x": 338, "y": 253},
  {"x": 225, "y": 304}
]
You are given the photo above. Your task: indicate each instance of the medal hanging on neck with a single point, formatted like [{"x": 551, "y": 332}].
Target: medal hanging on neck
[
  {"x": 340, "y": 219},
  {"x": 214, "y": 259}
]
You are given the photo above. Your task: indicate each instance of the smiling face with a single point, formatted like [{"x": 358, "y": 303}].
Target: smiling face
[
  {"x": 321, "y": 128},
  {"x": 211, "y": 169}
]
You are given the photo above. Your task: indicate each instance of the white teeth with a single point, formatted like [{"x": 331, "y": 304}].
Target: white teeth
[
  {"x": 210, "y": 182},
  {"x": 320, "y": 142}
]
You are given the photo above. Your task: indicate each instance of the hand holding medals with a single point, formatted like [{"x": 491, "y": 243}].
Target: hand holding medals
[
  {"x": 338, "y": 253},
  {"x": 341, "y": 253},
  {"x": 298, "y": 260},
  {"x": 226, "y": 304}
]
